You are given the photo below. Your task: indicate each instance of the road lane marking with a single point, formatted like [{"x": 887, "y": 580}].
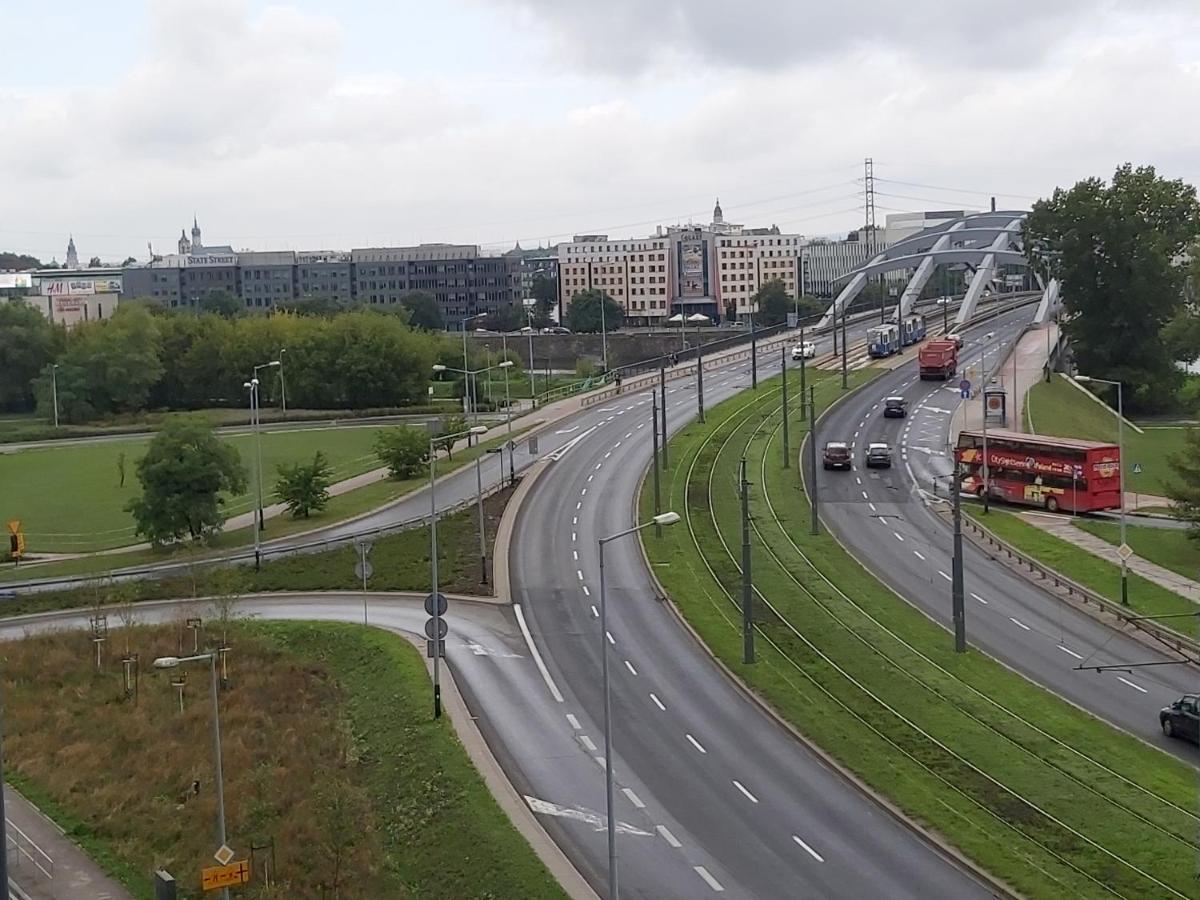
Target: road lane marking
[
  {"x": 574, "y": 721},
  {"x": 980, "y": 599},
  {"x": 873, "y": 509},
  {"x": 598, "y": 465},
  {"x": 590, "y": 477},
  {"x": 606, "y": 456},
  {"x": 574, "y": 520},
  {"x": 667, "y": 836},
  {"x": 586, "y": 592},
  {"x": 1136, "y": 687},
  {"x": 629, "y": 666},
  {"x": 917, "y": 554},
  {"x": 695, "y": 743},
  {"x": 574, "y": 536},
  {"x": 1069, "y": 651},
  {"x": 628, "y": 435},
  {"x": 1019, "y": 623},
  {"x": 537, "y": 657},
  {"x": 575, "y": 553},
  {"x": 579, "y": 572},
  {"x": 583, "y": 493},
  {"x": 741, "y": 787},
  {"x": 595, "y": 612},
  {"x": 588, "y": 743},
  {"x": 617, "y": 444},
  {"x": 898, "y": 535},
  {"x": 712, "y": 882},
  {"x": 579, "y": 505},
  {"x": 657, "y": 702},
  {"x": 811, "y": 852},
  {"x": 608, "y": 634},
  {"x": 633, "y": 798},
  {"x": 546, "y": 808},
  {"x": 944, "y": 575}
]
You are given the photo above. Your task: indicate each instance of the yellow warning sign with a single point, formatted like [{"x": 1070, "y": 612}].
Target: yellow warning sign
[{"x": 216, "y": 877}]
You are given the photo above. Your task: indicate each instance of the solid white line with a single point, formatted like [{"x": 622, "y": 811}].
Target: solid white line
[
  {"x": 658, "y": 702},
  {"x": 667, "y": 836},
  {"x": 813, "y": 853},
  {"x": 574, "y": 721},
  {"x": 1019, "y": 623},
  {"x": 608, "y": 634},
  {"x": 1069, "y": 651},
  {"x": 586, "y": 592},
  {"x": 1136, "y": 687},
  {"x": 917, "y": 554},
  {"x": 898, "y": 535},
  {"x": 944, "y": 575},
  {"x": 695, "y": 743},
  {"x": 537, "y": 657},
  {"x": 629, "y": 666},
  {"x": 712, "y": 882},
  {"x": 588, "y": 743},
  {"x": 741, "y": 787},
  {"x": 633, "y": 798},
  {"x": 595, "y": 612},
  {"x": 980, "y": 599}
]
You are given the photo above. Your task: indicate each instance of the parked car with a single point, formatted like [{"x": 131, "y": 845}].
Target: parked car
[
  {"x": 837, "y": 455},
  {"x": 957, "y": 338},
  {"x": 895, "y": 407},
  {"x": 878, "y": 456},
  {"x": 804, "y": 350},
  {"x": 1182, "y": 718}
]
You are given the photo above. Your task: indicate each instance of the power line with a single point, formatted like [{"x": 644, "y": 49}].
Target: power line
[{"x": 934, "y": 187}]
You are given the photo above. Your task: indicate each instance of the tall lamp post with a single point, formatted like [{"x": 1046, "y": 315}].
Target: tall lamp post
[
  {"x": 282, "y": 384},
  {"x": 1120, "y": 472},
  {"x": 252, "y": 387},
  {"x": 54, "y": 393},
  {"x": 462, "y": 326},
  {"x": 433, "y": 559},
  {"x": 170, "y": 662},
  {"x": 470, "y": 376},
  {"x": 258, "y": 432},
  {"x": 666, "y": 518}
]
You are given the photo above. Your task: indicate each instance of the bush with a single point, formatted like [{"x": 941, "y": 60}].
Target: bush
[{"x": 404, "y": 450}]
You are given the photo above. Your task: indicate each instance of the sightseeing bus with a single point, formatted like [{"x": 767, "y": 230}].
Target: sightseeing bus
[
  {"x": 912, "y": 330},
  {"x": 883, "y": 340},
  {"x": 1034, "y": 470}
]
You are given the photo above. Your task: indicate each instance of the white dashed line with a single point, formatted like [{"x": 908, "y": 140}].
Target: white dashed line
[
  {"x": 1136, "y": 687},
  {"x": 633, "y": 798},
  {"x": 574, "y": 536},
  {"x": 873, "y": 509},
  {"x": 586, "y": 592},
  {"x": 1019, "y": 623},
  {"x": 583, "y": 493},
  {"x": 864, "y": 493},
  {"x": 598, "y": 465},
  {"x": 579, "y": 572},
  {"x": 712, "y": 882},
  {"x": 595, "y": 612},
  {"x": 590, "y": 477},
  {"x": 811, "y": 852},
  {"x": 667, "y": 836},
  {"x": 643, "y": 425},
  {"x": 575, "y": 520},
  {"x": 658, "y": 702},
  {"x": 944, "y": 575},
  {"x": 588, "y": 744},
  {"x": 917, "y": 554},
  {"x": 695, "y": 743},
  {"x": 606, "y": 456},
  {"x": 741, "y": 787},
  {"x": 629, "y": 666},
  {"x": 574, "y": 721},
  {"x": 617, "y": 444},
  {"x": 628, "y": 435},
  {"x": 980, "y": 599},
  {"x": 575, "y": 553},
  {"x": 579, "y": 505},
  {"x": 1069, "y": 651},
  {"x": 608, "y": 634},
  {"x": 898, "y": 535},
  {"x": 857, "y": 480}
]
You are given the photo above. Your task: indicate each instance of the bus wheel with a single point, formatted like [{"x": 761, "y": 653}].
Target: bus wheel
[{"x": 1052, "y": 504}]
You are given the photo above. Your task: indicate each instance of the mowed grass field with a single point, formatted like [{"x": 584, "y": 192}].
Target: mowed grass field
[
  {"x": 69, "y": 498},
  {"x": 1057, "y": 408}
]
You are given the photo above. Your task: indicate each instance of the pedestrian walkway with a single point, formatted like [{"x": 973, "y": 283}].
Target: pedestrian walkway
[
  {"x": 1016, "y": 373},
  {"x": 74, "y": 875},
  {"x": 1061, "y": 527}
]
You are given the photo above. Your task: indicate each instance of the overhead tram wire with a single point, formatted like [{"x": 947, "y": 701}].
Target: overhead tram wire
[{"x": 950, "y": 190}]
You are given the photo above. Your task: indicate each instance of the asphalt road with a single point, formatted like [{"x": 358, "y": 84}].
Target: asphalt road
[
  {"x": 884, "y": 520},
  {"x": 718, "y": 797}
]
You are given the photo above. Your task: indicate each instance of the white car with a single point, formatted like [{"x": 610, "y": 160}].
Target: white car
[
  {"x": 957, "y": 338},
  {"x": 804, "y": 350}
]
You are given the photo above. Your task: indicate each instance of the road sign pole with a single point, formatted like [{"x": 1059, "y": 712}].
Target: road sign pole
[
  {"x": 783, "y": 368},
  {"x": 212, "y": 664}
]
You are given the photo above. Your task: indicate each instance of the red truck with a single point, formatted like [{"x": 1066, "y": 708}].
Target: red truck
[{"x": 938, "y": 360}]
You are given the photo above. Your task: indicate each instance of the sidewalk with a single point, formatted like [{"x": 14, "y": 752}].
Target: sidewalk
[
  {"x": 76, "y": 877},
  {"x": 1062, "y": 528}
]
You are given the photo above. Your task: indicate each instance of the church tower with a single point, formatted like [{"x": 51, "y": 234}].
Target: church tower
[
  {"x": 185, "y": 246},
  {"x": 196, "y": 243},
  {"x": 72, "y": 256},
  {"x": 718, "y": 215}
]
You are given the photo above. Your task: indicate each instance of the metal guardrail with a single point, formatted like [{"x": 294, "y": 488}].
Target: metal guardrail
[
  {"x": 1052, "y": 580},
  {"x": 27, "y": 849}
]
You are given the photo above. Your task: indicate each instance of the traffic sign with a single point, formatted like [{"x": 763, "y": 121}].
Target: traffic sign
[
  {"x": 363, "y": 545},
  {"x": 533, "y": 447},
  {"x": 216, "y": 877},
  {"x": 441, "y": 604},
  {"x": 442, "y": 628},
  {"x": 964, "y": 389},
  {"x": 363, "y": 569},
  {"x": 1137, "y": 468},
  {"x": 224, "y": 854},
  {"x": 14, "y": 526},
  {"x": 1124, "y": 551},
  {"x": 441, "y": 649}
]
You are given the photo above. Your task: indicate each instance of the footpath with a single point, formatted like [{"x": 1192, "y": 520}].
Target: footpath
[{"x": 1016, "y": 372}]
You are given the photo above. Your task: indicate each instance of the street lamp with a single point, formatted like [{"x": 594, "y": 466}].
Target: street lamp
[
  {"x": 282, "y": 384},
  {"x": 252, "y": 387},
  {"x": 1120, "y": 473},
  {"x": 463, "y": 328},
  {"x": 171, "y": 662},
  {"x": 470, "y": 375},
  {"x": 54, "y": 392},
  {"x": 433, "y": 563},
  {"x": 666, "y": 518}
]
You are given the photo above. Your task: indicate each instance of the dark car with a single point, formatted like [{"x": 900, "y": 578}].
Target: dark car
[
  {"x": 895, "y": 408},
  {"x": 837, "y": 455},
  {"x": 878, "y": 456},
  {"x": 1181, "y": 719}
]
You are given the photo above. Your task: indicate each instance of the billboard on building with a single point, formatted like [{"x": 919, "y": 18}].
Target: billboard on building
[
  {"x": 78, "y": 287},
  {"x": 692, "y": 274}
]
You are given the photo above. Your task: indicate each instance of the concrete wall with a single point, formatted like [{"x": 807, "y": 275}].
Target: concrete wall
[{"x": 561, "y": 351}]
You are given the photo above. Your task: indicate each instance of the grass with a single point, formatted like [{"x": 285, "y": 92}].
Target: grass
[
  {"x": 1057, "y": 408},
  {"x": 959, "y": 742},
  {"x": 1145, "y": 597},
  {"x": 1170, "y": 548},
  {"x": 400, "y": 560},
  {"x": 330, "y": 752},
  {"x": 344, "y": 506}
]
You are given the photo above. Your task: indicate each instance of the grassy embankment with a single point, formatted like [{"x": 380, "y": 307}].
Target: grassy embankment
[
  {"x": 1041, "y": 794},
  {"x": 1170, "y": 548},
  {"x": 330, "y": 752}
]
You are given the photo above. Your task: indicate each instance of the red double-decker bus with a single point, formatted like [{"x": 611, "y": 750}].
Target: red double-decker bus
[{"x": 1055, "y": 473}]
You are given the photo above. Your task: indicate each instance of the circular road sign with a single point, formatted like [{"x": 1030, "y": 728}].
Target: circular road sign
[
  {"x": 364, "y": 569},
  {"x": 440, "y": 609},
  {"x": 429, "y": 628}
]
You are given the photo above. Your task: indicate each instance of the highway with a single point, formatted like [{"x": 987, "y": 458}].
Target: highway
[{"x": 884, "y": 520}]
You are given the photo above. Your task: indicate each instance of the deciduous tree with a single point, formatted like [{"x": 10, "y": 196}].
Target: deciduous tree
[
  {"x": 583, "y": 315},
  {"x": 304, "y": 487},
  {"x": 28, "y": 343},
  {"x": 404, "y": 450},
  {"x": 423, "y": 311}
]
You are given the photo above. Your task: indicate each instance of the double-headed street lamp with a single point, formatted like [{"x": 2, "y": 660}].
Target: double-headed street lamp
[
  {"x": 1120, "y": 475},
  {"x": 471, "y": 382},
  {"x": 666, "y": 518},
  {"x": 170, "y": 662},
  {"x": 255, "y": 418}
]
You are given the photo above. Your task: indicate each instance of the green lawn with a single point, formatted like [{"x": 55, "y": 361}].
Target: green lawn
[
  {"x": 1059, "y": 409},
  {"x": 1168, "y": 547},
  {"x": 1029, "y": 786},
  {"x": 1145, "y": 597}
]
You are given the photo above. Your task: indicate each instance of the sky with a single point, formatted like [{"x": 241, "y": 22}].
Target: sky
[{"x": 308, "y": 125}]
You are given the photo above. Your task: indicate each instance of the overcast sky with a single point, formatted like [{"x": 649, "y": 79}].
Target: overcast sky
[{"x": 312, "y": 125}]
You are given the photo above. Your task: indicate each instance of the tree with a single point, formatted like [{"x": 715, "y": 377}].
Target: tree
[
  {"x": 185, "y": 471},
  {"x": 28, "y": 344},
  {"x": 94, "y": 263},
  {"x": 1116, "y": 250},
  {"x": 222, "y": 303},
  {"x": 128, "y": 261},
  {"x": 1185, "y": 491},
  {"x": 19, "y": 261},
  {"x": 304, "y": 487},
  {"x": 1181, "y": 336},
  {"x": 509, "y": 317},
  {"x": 583, "y": 315},
  {"x": 403, "y": 449},
  {"x": 423, "y": 311},
  {"x": 455, "y": 424},
  {"x": 545, "y": 294},
  {"x": 772, "y": 304}
]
